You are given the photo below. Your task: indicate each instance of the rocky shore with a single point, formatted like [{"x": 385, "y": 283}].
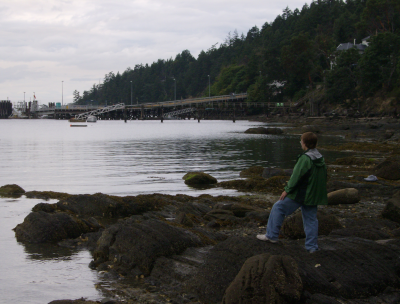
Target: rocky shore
[{"x": 182, "y": 249}]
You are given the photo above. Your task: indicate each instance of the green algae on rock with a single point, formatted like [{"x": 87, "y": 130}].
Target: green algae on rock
[
  {"x": 11, "y": 190},
  {"x": 199, "y": 179}
]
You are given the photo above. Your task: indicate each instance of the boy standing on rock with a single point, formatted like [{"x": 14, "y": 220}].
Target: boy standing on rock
[{"x": 306, "y": 189}]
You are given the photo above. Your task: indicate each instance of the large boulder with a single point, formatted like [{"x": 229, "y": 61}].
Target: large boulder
[
  {"x": 133, "y": 247},
  {"x": 344, "y": 268},
  {"x": 262, "y": 130},
  {"x": 292, "y": 226},
  {"x": 265, "y": 278},
  {"x": 199, "y": 179},
  {"x": 343, "y": 196},
  {"x": 42, "y": 227},
  {"x": 11, "y": 190},
  {"x": 271, "y": 172},
  {"x": 388, "y": 169}
]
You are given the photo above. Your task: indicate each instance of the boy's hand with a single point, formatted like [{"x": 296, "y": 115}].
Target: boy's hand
[{"x": 283, "y": 195}]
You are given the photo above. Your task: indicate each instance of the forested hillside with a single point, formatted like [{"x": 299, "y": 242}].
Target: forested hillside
[{"x": 296, "y": 50}]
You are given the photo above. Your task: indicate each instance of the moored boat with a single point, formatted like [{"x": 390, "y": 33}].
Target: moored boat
[{"x": 91, "y": 118}]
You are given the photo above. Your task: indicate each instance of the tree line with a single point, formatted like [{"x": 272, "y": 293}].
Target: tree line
[{"x": 281, "y": 61}]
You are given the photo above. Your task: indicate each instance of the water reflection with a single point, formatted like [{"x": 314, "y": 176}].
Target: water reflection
[{"x": 47, "y": 252}]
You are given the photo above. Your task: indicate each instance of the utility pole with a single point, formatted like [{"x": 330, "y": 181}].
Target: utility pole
[{"x": 62, "y": 93}]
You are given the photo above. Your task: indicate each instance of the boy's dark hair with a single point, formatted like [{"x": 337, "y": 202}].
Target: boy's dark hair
[{"x": 309, "y": 139}]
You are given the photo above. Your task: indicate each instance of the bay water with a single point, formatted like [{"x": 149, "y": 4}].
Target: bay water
[{"x": 115, "y": 158}]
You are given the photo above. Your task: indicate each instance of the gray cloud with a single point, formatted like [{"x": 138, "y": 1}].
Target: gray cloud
[{"x": 45, "y": 42}]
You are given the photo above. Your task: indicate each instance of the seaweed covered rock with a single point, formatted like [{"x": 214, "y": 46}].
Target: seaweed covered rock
[
  {"x": 133, "y": 247},
  {"x": 106, "y": 206},
  {"x": 252, "y": 171},
  {"x": 343, "y": 196},
  {"x": 42, "y": 227},
  {"x": 11, "y": 190},
  {"x": 46, "y": 195},
  {"x": 262, "y": 130},
  {"x": 265, "y": 278},
  {"x": 271, "y": 185},
  {"x": 199, "y": 179},
  {"x": 292, "y": 226}
]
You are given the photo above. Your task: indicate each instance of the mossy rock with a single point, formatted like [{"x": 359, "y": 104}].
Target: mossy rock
[
  {"x": 199, "y": 179},
  {"x": 252, "y": 171},
  {"x": 46, "y": 195},
  {"x": 11, "y": 190}
]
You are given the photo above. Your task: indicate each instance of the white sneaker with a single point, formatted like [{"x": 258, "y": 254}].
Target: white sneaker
[{"x": 263, "y": 237}]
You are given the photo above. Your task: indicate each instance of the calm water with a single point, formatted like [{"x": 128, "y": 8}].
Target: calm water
[{"x": 117, "y": 158}]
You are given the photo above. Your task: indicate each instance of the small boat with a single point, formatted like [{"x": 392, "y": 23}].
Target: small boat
[{"x": 91, "y": 118}]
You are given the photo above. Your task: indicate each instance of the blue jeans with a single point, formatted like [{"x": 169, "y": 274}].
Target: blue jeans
[{"x": 286, "y": 207}]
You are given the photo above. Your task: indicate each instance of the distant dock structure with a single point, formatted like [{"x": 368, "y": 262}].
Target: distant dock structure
[{"x": 214, "y": 107}]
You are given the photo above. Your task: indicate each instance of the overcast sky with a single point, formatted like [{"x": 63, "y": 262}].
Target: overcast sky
[{"x": 45, "y": 42}]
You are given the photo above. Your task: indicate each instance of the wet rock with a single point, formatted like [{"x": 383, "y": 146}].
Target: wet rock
[
  {"x": 343, "y": 196},
  {"x": 262, "y": 130},
  {"x": 42, "y": 227},
  {"x": 265, "y": 278},
  {"x": 133, "y": 247},
  {"x": 252, "y": 171},
  {"x": 184, "y": 220},
  {"x": 11, "y": 190},
  {"x": 49, "y": 208},
  {"x": 199, "y": 179},
  {"x": 271, "y": 172},
  {"x": 292, "y": 226},
  {"x": 388, "y": 169},
  {"x": 344, "y": 268},
  {"x": 221, "y": 215}
]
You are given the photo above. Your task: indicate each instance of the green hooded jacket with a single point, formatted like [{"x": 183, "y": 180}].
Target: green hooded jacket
[{"x": 307, "y": 185}]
